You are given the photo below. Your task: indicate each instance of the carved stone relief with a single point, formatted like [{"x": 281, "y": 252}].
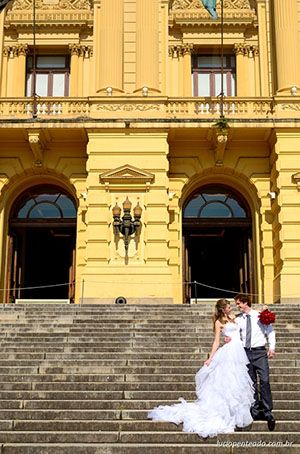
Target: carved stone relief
[
  {"x": 52, "y": 5},
  {"x": 196, "y": 4}
]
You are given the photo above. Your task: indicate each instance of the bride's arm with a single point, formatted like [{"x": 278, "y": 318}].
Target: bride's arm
[
  {"x": 260, "y": 309},
  {"x": 216, "y": 343}
]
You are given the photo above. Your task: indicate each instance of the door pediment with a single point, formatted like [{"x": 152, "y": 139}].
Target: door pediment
[{"x": 127, "y": 175}]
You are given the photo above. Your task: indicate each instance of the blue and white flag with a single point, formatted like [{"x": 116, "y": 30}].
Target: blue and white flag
[{"x": 210, "y": 5}]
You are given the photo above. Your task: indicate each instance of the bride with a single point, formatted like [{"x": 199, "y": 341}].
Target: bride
[{"x": 223, "y": 386}]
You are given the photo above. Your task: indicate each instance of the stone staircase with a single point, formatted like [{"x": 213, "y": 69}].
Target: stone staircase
[{"x": 82, "y": 379}]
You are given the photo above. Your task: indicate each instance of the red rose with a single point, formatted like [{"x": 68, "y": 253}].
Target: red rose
[{"x": 266, "y": 317}]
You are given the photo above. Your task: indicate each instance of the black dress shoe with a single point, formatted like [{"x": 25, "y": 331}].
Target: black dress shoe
[{"x": 271, "y": 422}]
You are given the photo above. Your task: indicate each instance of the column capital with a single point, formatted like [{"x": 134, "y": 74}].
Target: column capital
[
  {"x": 240, "y": 49},
  {"x": 175, "y": 50},
  {"x": 74, "y": 49},
  {"x": 22, "y": 49},
  {"x": 187, "y": 48}
]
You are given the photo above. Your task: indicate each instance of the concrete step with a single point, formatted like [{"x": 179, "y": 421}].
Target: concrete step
[
  {"x": 83, "y": 379},
  {"x": 126, "y": 426},
  {"x": 65, "y": 386},
  {"x": 68, "y": 405},
  {"x": 133, "y": 414},
  {"x": 172, "y": 448}
]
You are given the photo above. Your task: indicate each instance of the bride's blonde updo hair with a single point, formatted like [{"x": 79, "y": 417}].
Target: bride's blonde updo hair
[{"x": 221, "y": 304}]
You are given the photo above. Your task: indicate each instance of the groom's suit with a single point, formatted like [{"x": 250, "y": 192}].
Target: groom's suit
[{"x": 257, "y": 356}]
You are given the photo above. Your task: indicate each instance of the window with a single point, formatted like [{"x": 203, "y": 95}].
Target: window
[
  {"x": 52, "y": 75},
  {"x": 44, "y": 203},
  {"x": 206, "y": 75},
  {"x": 215, "y": 202}
]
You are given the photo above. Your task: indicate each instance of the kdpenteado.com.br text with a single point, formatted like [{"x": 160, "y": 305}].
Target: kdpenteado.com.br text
[{"x": 260, "y": 443}]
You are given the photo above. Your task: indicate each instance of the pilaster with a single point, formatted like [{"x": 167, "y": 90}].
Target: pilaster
[
  {"x": 263, "y": 47},
  {"x": 4, "y": 71},
  {"x": 285, "y": 158},
  {"x": 80, "y": 64},
  {"x": 2, "y": 57},
  {"x": 109, "y": 62},
  {"x": 287, "y": 45},
  {"x": 247, "y": 69},
  {"x": 147, "y": 45},
  {"x": 146, "y": 274}
]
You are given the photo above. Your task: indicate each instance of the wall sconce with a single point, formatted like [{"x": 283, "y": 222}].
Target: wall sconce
[
  {"x": 127, "y": 226},
  {"x": 109, "y": 91},
  {"x": 145, "y": 91}
]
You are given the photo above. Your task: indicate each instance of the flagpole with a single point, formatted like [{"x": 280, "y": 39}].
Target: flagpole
[
  {"x": 34, "y": 106},
  {"x": 222, "y": 59}
]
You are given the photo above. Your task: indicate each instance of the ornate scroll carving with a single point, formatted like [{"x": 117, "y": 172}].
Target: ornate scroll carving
[
  {"x": 295, "y": 107},
  {"x": 81, "y": 50},
  {"x": 128, "y": 107},
  {"x": 246, "y": 49},
  {"x": 197, "y": 4},
  {"x": 15, "y": 51},
  {"x": 175, "y": 51},
  {"x": 53, "y": 5}
]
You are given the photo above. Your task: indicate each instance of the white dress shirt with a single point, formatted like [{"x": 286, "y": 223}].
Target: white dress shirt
[{"x": 258, "y": 338}]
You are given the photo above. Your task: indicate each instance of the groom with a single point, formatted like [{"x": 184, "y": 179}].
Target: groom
[{"x": 254, "y": 340}]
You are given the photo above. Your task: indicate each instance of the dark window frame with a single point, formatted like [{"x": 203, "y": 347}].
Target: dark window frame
[
  {"x": 228, "y": 71},
  {"x": 50, "y": 71}
]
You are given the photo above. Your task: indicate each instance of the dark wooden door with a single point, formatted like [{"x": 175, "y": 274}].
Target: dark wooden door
[{"x": 186, "y": 271}]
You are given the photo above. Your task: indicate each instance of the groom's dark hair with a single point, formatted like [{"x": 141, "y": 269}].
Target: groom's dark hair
[{"x": 243, "y": 298}]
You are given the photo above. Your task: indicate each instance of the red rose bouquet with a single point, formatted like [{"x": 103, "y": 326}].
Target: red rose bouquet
[{"x": 266, "y": 317}]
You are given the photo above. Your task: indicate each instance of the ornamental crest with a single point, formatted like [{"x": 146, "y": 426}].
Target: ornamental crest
[
  {"x": 52, "y": 5},
  {"x": 197, "y": 4}
]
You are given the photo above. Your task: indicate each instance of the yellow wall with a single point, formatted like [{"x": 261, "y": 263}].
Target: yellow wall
[{"x": 167, "y": 135}]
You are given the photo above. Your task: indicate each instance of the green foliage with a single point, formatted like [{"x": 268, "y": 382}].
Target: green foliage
[{"x": 222, "y": 124}]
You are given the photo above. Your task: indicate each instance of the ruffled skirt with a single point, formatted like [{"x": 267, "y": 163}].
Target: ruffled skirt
[{"x": 225, "y": 394}]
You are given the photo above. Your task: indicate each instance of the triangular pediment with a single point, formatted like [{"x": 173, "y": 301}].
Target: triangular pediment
[{"x": 126, "y": 173}]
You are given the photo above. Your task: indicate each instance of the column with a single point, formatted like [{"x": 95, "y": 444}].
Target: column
[
  {"x": 187, "y": 69},
  {"x": 110, "y": 46},
  {"x": 4, "y": 72},
  {"x": 287, "y": 45},
  {"x": 74, "y": 50},
  {"x": 11, "y": 71},
  {"x": 257, "y": 71},
  {"x": 88, "y": 52},
  {"x": 80, "y": 70},
  {"x": 22, "y": 51},
  {"x": 242, "y": 78},
  {"x": 147, "y": 45},
  {"x": 251, "y": 70},
  {"x": 174, "y": 72}
]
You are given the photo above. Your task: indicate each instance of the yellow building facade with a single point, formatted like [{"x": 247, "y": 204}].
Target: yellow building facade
[{"x": 112, "y": 100}]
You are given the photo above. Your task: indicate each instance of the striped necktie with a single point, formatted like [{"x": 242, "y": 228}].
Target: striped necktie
[{"x": 248, "y": 332}]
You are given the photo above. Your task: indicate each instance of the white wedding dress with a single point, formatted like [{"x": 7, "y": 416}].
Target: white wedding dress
[{"x": 224, "y": 390}]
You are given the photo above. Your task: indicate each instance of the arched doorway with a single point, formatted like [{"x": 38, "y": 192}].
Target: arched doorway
[
  {"x": 41, "y": 255},
  {"x": 217, "y": 243}
]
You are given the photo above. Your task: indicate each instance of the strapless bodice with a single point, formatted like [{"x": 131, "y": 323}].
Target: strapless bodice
[{"x": 232, "y": 330}]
